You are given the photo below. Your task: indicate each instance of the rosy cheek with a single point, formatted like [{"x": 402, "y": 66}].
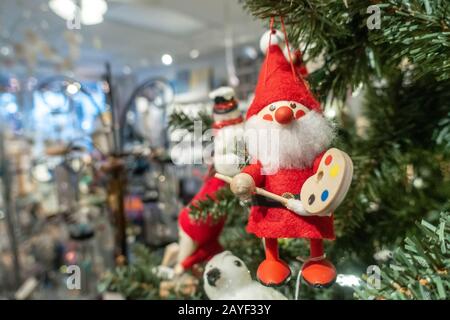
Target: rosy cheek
[
  {"x": 299, "y": 114},
  {"x": 268, "y": 117}
]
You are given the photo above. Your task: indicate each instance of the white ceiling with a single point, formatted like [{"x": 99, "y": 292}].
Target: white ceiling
[{"x": 136, "y": 33}]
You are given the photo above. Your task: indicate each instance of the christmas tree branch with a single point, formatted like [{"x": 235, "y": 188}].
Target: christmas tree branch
[
  {"x": 420, "y": 270},
  {"x": 353, "y": 52},
  {"x": 181, "y": 120},
  {"x": 136, "y": 280},
  {"x": 223, "y": 203}
]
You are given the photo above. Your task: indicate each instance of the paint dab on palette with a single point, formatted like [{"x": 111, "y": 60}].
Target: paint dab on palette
[
  {"x": 328, "y": 160},
  {"x": 324, "y": 195},
  {"x": 334, "y": 170},
  {"x": 311, "y": 199}
]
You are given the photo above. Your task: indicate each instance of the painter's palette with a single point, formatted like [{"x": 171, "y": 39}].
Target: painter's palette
[{"x": 323, "y": 192}]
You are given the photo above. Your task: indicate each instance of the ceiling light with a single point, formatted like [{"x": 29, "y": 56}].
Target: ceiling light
[
  {"x": 89, "y": 18},
  {"x": 73, "y": 88},
  {"x": 64, "y": 8},
  {"x": 194, "y": 54},
  {"x": 167, "y": 59},
  {"x": 91, "y": 11},
  {"x": 5, "y": 51},
  {"x": 11, "y": 107}
]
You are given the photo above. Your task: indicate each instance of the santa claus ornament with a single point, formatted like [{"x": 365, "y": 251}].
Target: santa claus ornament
[
  {"x": 199, "y": 238},
  {"x": 294, "y": 181}
]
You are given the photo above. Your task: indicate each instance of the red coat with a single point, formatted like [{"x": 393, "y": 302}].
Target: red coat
[
  {"x": 205, "y": 233},
  {"x": 280, "y": 222}
]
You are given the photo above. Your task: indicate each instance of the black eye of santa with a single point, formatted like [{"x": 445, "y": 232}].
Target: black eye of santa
[
  {"x": 293, "y": 105},
  {"x": 237, "y": 263},
  {"x": 272, "y": 108}
]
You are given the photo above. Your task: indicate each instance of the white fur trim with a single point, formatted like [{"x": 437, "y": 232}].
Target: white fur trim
[
  {"x": 296, "y": 206},
  {"x": 226, "y": 92},
  {"x": 227, "y": 164},
  {"x": 276, "y": 38}
]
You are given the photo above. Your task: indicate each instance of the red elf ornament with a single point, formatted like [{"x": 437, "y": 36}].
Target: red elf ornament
[
  {"x": 286, "y": 138},
  {"x": 199, "y": 239}
]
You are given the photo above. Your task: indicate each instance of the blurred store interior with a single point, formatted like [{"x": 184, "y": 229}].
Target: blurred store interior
[{"x": 85, "y": 98}]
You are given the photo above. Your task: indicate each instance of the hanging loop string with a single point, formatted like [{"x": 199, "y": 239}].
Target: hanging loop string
[
  {"x": 291, "y": 62},
  {"x": 298, "y": 283},
  {"x": 272, "y": 30},
  {"x": 283, "y": 27},
  {"x": 272, "y": 20}
]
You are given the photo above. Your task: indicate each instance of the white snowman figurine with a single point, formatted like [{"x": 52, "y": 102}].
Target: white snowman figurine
[{"x": 226, "y": 277}]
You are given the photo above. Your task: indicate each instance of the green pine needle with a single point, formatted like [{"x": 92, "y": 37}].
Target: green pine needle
[{"x": 420, "y": 270}]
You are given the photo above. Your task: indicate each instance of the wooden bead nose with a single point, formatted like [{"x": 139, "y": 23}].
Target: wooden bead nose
[{"x": 284, "y": 115}]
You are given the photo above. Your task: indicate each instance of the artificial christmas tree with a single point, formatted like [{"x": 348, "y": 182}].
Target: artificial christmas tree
[
  {"x": 399, "y": 142},
  {"x": 419, "y": 271}
]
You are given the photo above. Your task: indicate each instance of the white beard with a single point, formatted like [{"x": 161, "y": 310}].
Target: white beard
[{"x": 293, "y": 146}]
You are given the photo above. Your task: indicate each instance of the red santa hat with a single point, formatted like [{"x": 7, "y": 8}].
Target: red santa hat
[{"x": 277, "y": 82}]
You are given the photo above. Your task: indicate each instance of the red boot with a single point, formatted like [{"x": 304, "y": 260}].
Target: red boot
[
  {"x": 202, "y": 253},
  {"x": 273, "y": 271},
  {"x": 318, "y": 272}
]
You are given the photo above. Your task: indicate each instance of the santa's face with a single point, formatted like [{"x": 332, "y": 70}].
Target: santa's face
[
  {"x": 286, "y": 134},
  {"x": 283, "y": 112}
]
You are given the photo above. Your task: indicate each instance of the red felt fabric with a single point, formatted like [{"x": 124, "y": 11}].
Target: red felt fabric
[
  {"x": 267, "y": 222},
  {"x": 271, "y": 245},
  {"x": 203, "y": 253},
  {"x": 276, "y": 82},
  {"x": 205, "y": 232},
  {"x": 316, "y": 248},
  {"x": 255, "y": 170},
  {"x": 202, "y": 231}
]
